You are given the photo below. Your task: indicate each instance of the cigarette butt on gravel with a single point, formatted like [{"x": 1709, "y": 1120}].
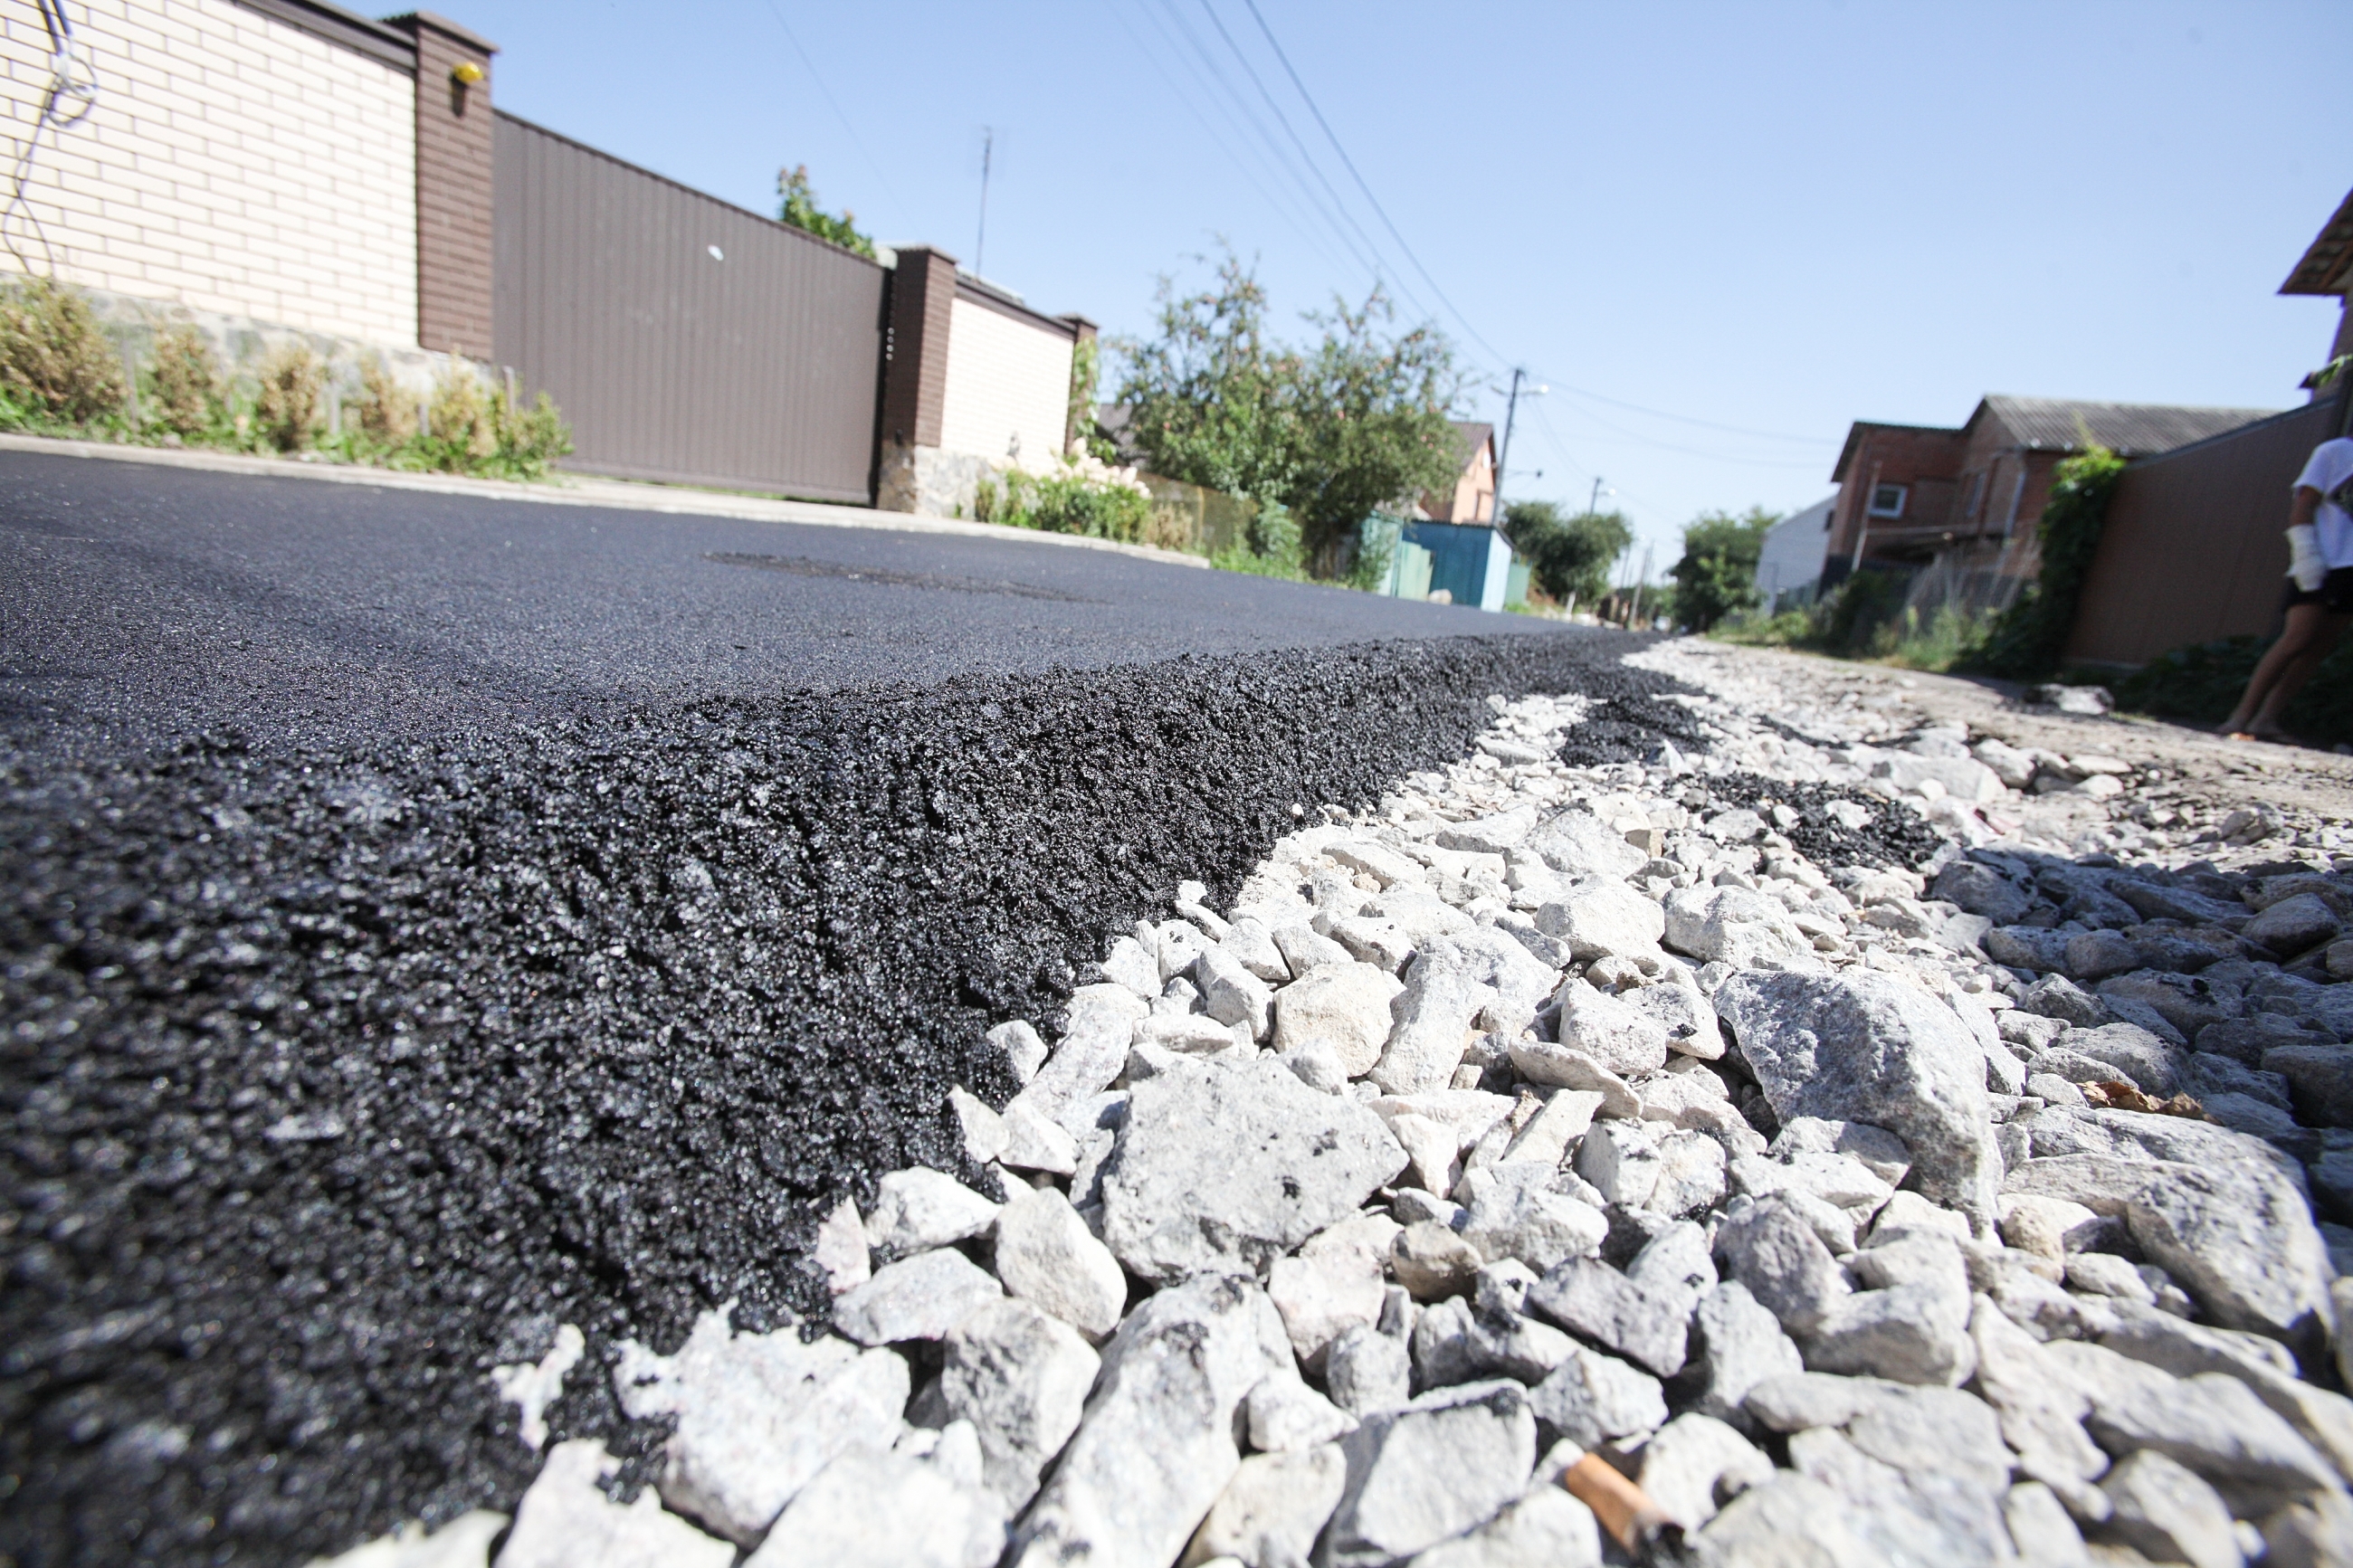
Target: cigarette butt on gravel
[{"x": 1625, "y": 1509}]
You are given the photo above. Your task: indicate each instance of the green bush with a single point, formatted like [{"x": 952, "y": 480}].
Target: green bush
[
  {"x": 185, "y": 394},
  {"x": 1082, "y": 496},
  {"x": 2201, "y": 683},
  {"x": 2028, "y": 639},
  {"x": 286, "y": 409},
  {"x": 57, "y": 371},
  {"x": 1851, "y": 619}
]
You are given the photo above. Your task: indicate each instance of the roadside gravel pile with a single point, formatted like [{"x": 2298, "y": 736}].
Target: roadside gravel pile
[
  {"x": 1554, "y": 1165},
  {"x": 336, "y": 1076}
]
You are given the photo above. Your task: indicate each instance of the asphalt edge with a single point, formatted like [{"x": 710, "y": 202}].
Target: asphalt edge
[{"x": 574, "y": 490}]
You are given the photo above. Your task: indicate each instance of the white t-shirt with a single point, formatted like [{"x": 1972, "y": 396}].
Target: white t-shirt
[{"x": 2329, "y": 466}]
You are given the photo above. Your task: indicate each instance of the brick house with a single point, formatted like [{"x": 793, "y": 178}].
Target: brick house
[{"x": 1957, "y": 505}]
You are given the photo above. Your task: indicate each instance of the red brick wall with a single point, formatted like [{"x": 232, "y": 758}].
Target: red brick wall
[
  {"x": 454, "y": 163},
  {"x": 1927, "y": 461}
]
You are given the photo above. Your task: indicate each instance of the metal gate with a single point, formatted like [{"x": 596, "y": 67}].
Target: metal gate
[{"x": 684, "y": 339}]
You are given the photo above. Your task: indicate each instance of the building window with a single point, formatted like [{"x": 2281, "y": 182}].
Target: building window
[{"x": 1887, "y": 500}]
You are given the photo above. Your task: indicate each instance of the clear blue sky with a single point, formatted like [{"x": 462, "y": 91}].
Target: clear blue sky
[{"x": 1770, "y": 219}]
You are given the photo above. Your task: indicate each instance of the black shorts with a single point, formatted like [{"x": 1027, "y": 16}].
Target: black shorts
[{"x": 2336, "y": 591}]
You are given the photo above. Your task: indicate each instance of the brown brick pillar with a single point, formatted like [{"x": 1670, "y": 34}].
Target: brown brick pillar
[
  {"x": 454, "y": 161},
  {"x": 915, "y": 363}
]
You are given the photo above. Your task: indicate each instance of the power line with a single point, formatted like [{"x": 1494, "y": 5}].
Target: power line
[
  {"x": 1305, "y": 156},
  {"x": 1337, "y": 225},
  {"x": 1214, "y": 135},
  {"x": 1350, "y": 164},
  {"x": 1687, "y": 419},
  {"x": 818, "y": 78}
]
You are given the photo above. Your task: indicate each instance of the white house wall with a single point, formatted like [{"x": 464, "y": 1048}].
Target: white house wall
[
  {"x": 1008, "y": 387},
  {"x": 232, "y": 164}
]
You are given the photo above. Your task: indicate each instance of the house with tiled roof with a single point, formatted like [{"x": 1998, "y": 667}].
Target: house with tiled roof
[{"x": 1964, "y": 498}]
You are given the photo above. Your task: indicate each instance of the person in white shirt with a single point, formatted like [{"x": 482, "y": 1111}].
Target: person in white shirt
[{"x": 2319, "y": 597}]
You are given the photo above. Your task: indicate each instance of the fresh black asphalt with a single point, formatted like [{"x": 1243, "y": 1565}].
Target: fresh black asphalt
[
  {"x": 426, "y": 920},
  {"x": 146, "y": 596}
]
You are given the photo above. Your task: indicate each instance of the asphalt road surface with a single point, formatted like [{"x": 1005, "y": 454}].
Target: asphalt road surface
[
  {"x": 153, "y": 599},
  {"x": 425, "y": 921}
]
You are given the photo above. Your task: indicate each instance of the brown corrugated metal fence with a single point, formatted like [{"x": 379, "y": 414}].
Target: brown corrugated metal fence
[
  {"x": 685, "y": 340},
  {"x": 2193, "y": 547}
]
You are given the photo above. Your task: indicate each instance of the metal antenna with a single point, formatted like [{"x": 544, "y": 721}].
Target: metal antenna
[{"x": 980, "y": 240}]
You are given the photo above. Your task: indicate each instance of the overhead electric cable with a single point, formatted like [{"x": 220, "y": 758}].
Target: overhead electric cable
[
  {"x": 1308, "y": 158},
  {"x": 819, "y": 77},
  {"x": 1338, "y": 226},
  {"x": 1350, "y": 164},
  {"x": 1315, "y": 242}
]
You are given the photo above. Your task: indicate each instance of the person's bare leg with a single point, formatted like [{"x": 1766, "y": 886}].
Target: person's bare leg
[
  {"x": 2292, "y": 679},
  {"x": 2305, "y": 625}
]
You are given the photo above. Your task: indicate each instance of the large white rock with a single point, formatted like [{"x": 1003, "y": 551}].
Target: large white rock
[
  {"x": 1272, "y": 1510},
  {"x": 1346, "y": 1004},
  {"x": 1445, "y": 1463},
  {"x": 1021, "y": 1378},
  {"x": 1452, "y": 982},
  {"x": 919, "y": 1298},
  {"x": 885, "y": 1510},
  {"x": 1602, "y": 917},
  {"x": 1156, "y": 1445},
  {"x": 1226, "y": 1168},
  {"x": 842, "y": 1254},
  {"x": 1580, "y": 844},
  {"x": 1546, "y": 1529},
  {"x": 1333, "y": 1282},
  {"x": 1863, "y": 1047},
  {"x": 1230, "y": 994},
  {"x": 1618, "y": 1036},
  {"x": 1697, "y": 1462},
  {"x": 1046, "y": 1255},
  {"x": 565, "y": 1521},
  {"x": 2231, "y": 1228},
  {"x": 1092, "y": 1051},
  {"x": 1732, "y": 925},
  {"x": 916, "y": 1210},
  {"x": 758, "y": 1416}
]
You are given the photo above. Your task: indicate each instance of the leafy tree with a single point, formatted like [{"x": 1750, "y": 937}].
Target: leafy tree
[
  {"x": 800, "y": 211},
  {"x": 1717, "y": 573},
  {"x": 1209, "y": 397},
  {"x": 1371, "y": 421},
  {"x": 1568, "y": 556},
  {"x": 1331, "y": 432}
]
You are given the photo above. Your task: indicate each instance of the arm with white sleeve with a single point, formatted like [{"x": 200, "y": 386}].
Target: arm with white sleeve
[{"x": 2306, "y": 563}]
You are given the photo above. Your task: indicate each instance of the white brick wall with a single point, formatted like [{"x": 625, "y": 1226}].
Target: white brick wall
[
  {"x": 233, "y": 165},
  {"x": 1007, "y": 379}
]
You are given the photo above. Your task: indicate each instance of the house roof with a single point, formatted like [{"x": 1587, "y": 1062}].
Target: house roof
[
  {"x": 2328, "y": 265},
  {"x": 1854, "y": 438},
  {"x": 1475, "y": 433},
  {"x": 2127, "y": 429}
]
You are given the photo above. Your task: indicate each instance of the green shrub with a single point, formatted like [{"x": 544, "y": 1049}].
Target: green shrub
[
  {"x": 385, "y": 414},
  {"x": 183, "y": 384},
  {"x": 57, "y": 369},
  {"x": 1080, "y": 496},
  {"x": 471, "y": 429},
  {"x": 2028, "y": 639},
  {"x": 2201, "y": 684},
  {"x": 286, "y": 409},
  {"x": 1851, "y": 619}
]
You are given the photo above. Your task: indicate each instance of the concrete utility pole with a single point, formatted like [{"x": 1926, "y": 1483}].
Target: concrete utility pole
[
  {"x": 1511, "y": 412},
  {"x": 1636, "y": 618},
  {"x": 1593, "y": 503}
]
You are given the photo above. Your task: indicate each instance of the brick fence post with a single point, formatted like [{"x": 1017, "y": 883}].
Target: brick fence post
[
  {"x": 915, "y": 375},
  {"x": 454, "y": 178}
]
